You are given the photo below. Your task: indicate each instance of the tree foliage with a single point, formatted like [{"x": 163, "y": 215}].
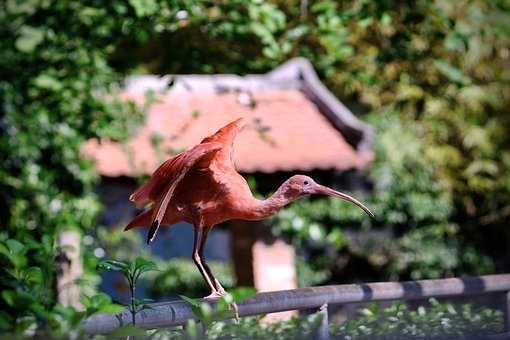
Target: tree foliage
[
  {"x": 437, "y": 70},
  {"x": 432, "y": 75},
  {"x": 56, "y": 91},
  {"x": 413, "y": 234}
]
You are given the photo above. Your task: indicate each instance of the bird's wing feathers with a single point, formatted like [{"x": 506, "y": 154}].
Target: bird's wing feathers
[
  {"x": 142, "y": 219},
  {"x": 165, "y": 174},
  {"x": 156, "y": 183},
  {"x": 179, "y": 170},
  {"x": 163, "y": 182},
  {"x": 226, "y": 136}
]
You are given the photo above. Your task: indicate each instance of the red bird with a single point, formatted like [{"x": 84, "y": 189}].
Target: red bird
[{"x": 201, "y": 186}]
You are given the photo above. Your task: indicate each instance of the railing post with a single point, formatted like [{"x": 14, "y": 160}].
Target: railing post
[
  {"x": 506, "y": 312},
  {"x": 323, "y": 331}
]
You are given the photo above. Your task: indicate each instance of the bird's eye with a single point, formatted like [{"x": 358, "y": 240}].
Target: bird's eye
[{"x": 306, "y": 182}]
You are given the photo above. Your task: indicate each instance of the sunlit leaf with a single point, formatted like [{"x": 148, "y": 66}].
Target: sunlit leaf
[
  {"x": 29, "y": 38},
  {"x": 144, "y": 265},
  {"x": 128, "y": 330},
  {"x": 113, "y": 265},
  {"x": 452, "y": 72}
]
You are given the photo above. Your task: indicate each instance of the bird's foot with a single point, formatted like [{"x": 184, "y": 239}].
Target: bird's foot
[
  {"x": 218, "y": 294},
  {"x": 220, "y": 289},
  {"x": 215, "y": 295}
]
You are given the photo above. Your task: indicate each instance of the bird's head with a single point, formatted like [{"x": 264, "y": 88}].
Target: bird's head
[{"x": 299, "y": 185}]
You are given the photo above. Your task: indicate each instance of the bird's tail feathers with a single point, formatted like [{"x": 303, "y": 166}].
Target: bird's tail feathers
[
  {"x": 159, "y": 179},
  {"x": 153, "y": 231},
  {"x": 139, "y": 197},
  {"x": 141, "y": 220}
]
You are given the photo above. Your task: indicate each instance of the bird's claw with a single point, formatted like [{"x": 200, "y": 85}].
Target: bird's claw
[
  {"x": 218, "y": 294},
  {"x": 215, "y": 295},
  {"x": 219, "y": 287}
]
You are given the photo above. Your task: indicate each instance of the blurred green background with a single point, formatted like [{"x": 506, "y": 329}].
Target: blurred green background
[{"x": 431, "y": 77}]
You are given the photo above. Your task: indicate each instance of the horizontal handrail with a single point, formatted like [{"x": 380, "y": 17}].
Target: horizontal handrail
[{"x": 169, "y": 314}]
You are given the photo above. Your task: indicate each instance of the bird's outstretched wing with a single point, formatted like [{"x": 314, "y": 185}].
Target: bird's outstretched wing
[
  {"x": 226, "y": 136},
  {"x": 175, "y": 173},
  {"x": 153, "y": 188},
  {"x": 163, "y": 182}
]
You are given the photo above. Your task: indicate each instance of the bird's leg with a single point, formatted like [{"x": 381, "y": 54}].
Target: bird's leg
[
  {"x": 220, "y": 291},
  {"x": 201, "y": 248},
  {"x": 198, "y": 261}
]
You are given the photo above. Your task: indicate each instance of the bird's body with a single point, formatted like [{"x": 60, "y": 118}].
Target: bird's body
[
  {"x": 201, "y": 186},
  {"x": 216, "y": 198},
  {"x": 212, "y": 187}
]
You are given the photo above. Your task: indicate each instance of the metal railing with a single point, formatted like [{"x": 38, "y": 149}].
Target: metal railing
[{"x": 169, "y": 314}]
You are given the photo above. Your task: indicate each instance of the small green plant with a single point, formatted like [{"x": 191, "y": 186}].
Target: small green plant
[{"x": 132, "y": 271}]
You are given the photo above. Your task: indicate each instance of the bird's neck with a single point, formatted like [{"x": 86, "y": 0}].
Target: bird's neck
[{"x": 270, "y": 206}]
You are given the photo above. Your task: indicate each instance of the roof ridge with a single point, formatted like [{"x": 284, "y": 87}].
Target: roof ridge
[{"x": 297, "y": 73}]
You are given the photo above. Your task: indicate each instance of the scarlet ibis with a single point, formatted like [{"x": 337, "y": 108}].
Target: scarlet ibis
[{"x": 201, "y": 186}]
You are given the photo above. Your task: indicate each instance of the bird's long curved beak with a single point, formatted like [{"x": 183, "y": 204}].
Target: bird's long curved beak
[{"x": 322, "y": 190}]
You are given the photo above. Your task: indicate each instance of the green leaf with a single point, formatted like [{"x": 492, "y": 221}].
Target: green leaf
[
  {"x": 34, "y": 275},
  {"x": 242, "y": 293},
  {"x": 201, "y": 312},
  {"x": 113, "y": 265},
  {"x": 100, "y": 303},
  {"x": 18, "y": 299},
  {"x": 9, "y": 297},
  {"x": 193, "y": 302},
  {"x": 45, "y": 81},
  {"x": 29, "y": 38},
  {"x": 144, "y": 265},
  {"x": 144, "y": 7},
  {"x": 4, "y": 250},
  {"x": 14, "y": 246},
  {"x": 99, "y": 299},
  {"x": 206, "y": 314},
  {"x": 111, "y": 308},
  {"x": 142, "y": 301},
  {"x": 451, "y": 72},
  {"x": 128, "y": 330},
  {"x": 193, "y": 330},
  {"x": 142, "y": 304},
  {"x": 5, "y": 321}
]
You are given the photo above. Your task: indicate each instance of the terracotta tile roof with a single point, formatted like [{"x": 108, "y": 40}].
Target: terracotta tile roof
[{"x": 285, "y": 132}]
